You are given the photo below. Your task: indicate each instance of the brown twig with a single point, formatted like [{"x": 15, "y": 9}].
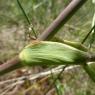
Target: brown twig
[
  {"x": 10, "y": 65},
  {"x": 65, "y": 15}
]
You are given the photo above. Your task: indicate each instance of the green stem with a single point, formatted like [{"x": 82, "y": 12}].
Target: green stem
[
  {"x": 23, "y": 12},
  {"x": 88, "y": 34},
  {"x": 25, "y": 15}
]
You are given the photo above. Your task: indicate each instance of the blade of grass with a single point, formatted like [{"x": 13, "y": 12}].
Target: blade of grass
[
  {"x": 88, "y": 34},
  {"x": 91, "y": 31},
  {"x": 26, "y": 17},
  {"x": 58, "y": 86},
  {"x": 58, "y": 76},
  {"x": 40, "y": 4},
  {"x": 92, "y": 39}
]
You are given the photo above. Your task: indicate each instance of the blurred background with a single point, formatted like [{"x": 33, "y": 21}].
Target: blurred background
[{"x": 14, "y": 35}]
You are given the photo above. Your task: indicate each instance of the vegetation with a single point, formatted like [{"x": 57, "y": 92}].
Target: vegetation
[{"x": 15, "y": 34}]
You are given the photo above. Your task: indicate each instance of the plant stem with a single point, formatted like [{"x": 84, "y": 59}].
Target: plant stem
[
  {"x": 63, "y": 17},
  {"x": 10, "y": 65},
  {"x": 25, "y": 15},
  {"x": 88, "y": 34}
]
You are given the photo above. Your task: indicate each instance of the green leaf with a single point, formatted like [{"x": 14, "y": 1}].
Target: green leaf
[
  {"x": 51, "y": 53},
  {"x": 90, "y": 69},
  {"x": 77, "y": 45},
  {"x": 59, "y": 87}
]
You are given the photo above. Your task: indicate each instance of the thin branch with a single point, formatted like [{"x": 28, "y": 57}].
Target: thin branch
[
  {"x": 34, "y": 76},
  {"x": 63, "y": 17},
  {"x": 10, "y": 65},
  {"x": 18, "y": 81}
]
